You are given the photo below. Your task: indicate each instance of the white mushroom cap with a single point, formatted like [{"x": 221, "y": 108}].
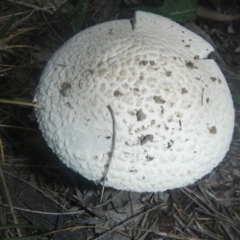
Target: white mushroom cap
[{"x": 173, "y": 109}]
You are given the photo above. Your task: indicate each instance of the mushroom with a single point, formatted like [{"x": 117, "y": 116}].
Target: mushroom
[{"x": 173, "y": 110}]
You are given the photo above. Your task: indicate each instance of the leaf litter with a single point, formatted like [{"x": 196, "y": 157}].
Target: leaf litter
[{"x": 44, "y": 192}]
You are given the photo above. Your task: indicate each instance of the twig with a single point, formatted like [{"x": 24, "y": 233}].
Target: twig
[
  {"x": 226, "y": 230},
  {"x": 28, "y": 104},
  {"x": 204, "y": 193},
  {"x": 15, "y": 14},
  {"x": 37, "y": 189},
  {"x": 15, "y": 25},
  {"x": 231, "y": 223},
  {"x": 44, "y": 213},
  {"x": 165, "y": 234},
  {"x": 17, "y": 127},
  {"x": 110, "y": 154},
  {"x": 182, "y": 224},
  {"x": 148, "y": 230},
  {"x": 190, "y": 221},
  {"x": 107, "y": 201},
  {"x": 104, "y": 234},
  {"x": 7, "y": 192},
  {"x": 30, "y": 6},
  {"x": 2, "y": 151},
  {"x": 143, "y": 222},
  {"x": 204, "y": 209},
  {"x": 207, "y": 233},
  {"x": 132, "y": 212}
]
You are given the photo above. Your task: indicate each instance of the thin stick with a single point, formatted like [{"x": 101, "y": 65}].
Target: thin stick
[
  {"x": 204, "y": 194},
  {"x": 121, "y": 224},
  {"x": 37, "y": 189},
  {"x": 28, "y": 104},
  {"x": 107, "y": 201},
  {"x": 31, "y": 6},
  {"x": 9, "y": 199},
  {"x": 44, "y": 213},
  {"x": 148, "y": 230},
  {"x": 2, "y": 151},
  {"x": 110, "y": 154}
]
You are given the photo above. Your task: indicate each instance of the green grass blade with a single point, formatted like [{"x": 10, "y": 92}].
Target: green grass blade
[
  {"x": 19, "y": 103},
  {"x": 82, "y": 16},
  {"x": 152, "y": 10},
  {"x": 179, "y": 11},
  {"x": 7, "y": 26}
]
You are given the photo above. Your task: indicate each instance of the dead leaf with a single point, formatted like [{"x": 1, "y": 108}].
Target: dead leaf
[{"x": 211, "y": 14}]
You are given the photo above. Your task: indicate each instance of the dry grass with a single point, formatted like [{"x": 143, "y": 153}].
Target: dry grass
[{"x": 35, "y": 188}]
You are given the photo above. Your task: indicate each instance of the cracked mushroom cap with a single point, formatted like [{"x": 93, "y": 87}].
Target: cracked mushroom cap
[{"x": 173, "y": 109}]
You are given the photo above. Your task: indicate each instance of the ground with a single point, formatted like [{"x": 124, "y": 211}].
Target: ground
[{"x": 36, "y": 189}]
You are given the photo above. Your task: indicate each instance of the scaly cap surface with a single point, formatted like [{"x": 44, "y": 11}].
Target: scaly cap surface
[{"x": 173, "y": 109}]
